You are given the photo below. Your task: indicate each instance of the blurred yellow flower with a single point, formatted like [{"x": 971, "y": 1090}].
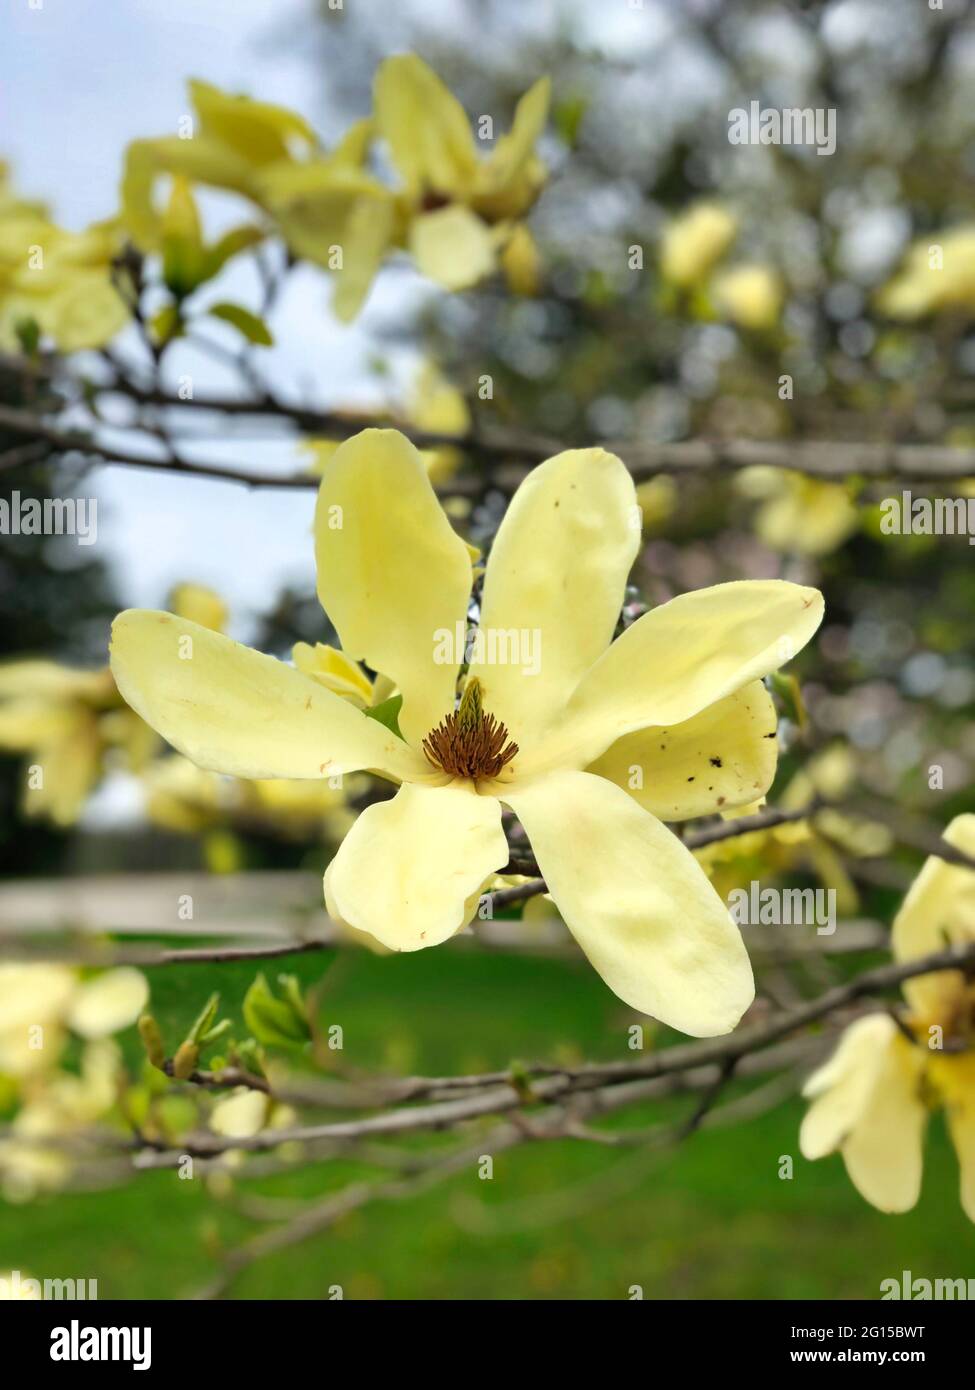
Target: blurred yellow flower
[
  {"x": 460, "y": 208},
  {"x": 241, "y": 1114},
  {"x": 199, "y": 604},
  {"x": 68, "y": 722},
  {"x": 73, "y": 724},
  {"x": 62, "y": 280},
  {"x": 657, "y": 500},
  {"x": 521, "y": 262},
  {"x": 693, "y": 242},
  {"x": 871, "y": 1100},
  {"x": 749, "y": 295},
  {"x": 798, "y": 513},
  {"x": 938, "y": 274},
  {"x": 57, "y": 1105},
  {"x": 39, "y": 1003},
  {"x": 184, "y": 798},
  {"x": 327, "y": 208}
]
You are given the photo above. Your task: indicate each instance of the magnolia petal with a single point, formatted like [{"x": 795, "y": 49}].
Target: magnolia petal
[
  {"x": 841, "y": 1087},
  {"x": 425, "y": 127},
  {"x": 884, "y": 1153},
  {"x": 452, "y": 247},
  {"x": 367, "y": 237},
  {"x": 514, "y": 149},
  {"x": 956, "y": 1077},
  {"x": 202, "y": 160},
  {"x": 231, "y": 709},
  {"x": 410, "y": 870},
  {"x": 109, "y": 1002},
  {"x": 938, "y": 911},
  {"x": 392, "y": 573},
  {"x": 27, "y": 723},
  {"x": 637, "y": 902},
  {"x": 681, "y": 657},
  {"x": 71, "y": 766},
  {"x": 200, "y": 604},
  {"x": 722, "y": 758},
  {"x": 333, "y": 669},
  {"x": 868, "y": 1105},
  {"x": 256, "y": 130},
  {"x": 554, "y": 586},
  {"x": 242, "y": 1115},
  {"x": 39, "y": 679}
]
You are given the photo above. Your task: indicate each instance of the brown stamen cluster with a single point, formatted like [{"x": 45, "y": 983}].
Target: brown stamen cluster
[{"x": 470, "y": 743}]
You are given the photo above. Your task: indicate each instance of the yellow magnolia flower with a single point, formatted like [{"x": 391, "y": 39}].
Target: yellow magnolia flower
[
  {"x": 60, "y": 279},
  {"x": 939, "y": 274},
  {"x": 240, "y": 1115},
  {"x": 326, "y": 206},
  {"x": 749, "y": 295},
  {"x": 460, "y": 207},
  {"x": 657, "y": 499},
  {"x": 72, "y": 724},
  {"x": 184, "y": 798},
  {"x": 694, "y": 242},
  {"x": 39, "y": 1002},
  {"x": 554, "y": 721},
  {"x": 56, "y": 1105},
  {"x": 68, "y": 722},
  {"x": 233, "y": 140},
  {"x": 200, "y": 604},
  {"x": 798, "y": 513},
  {"x": 871, "y": 1100}
]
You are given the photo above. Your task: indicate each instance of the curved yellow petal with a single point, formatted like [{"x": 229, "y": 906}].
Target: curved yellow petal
[
  {"x": 258, "y": 131},
  {"x": 333, "y": 669},
  {"x": 70, "y": 766},
  {"x": 956, "y": 1081},
  {"x": 694, "y": 241},
  {"x": 452, "y": 247},
  {"x": 108, "y": 1002},
  {"x": 512, "y": 149},
  {"x": 938, "y": 911},
  {"x": 681, "y": 657},
  {"x": 241, "y": 1115},
  {"x": 392, "y": 573},
  {"x": 202, "y": 160},
  {"x": 336, "y": 216},
  {"x": 867, "y": 1103},
  {"x": 26, "y": 723},
  {"x": 231, "y": 709},
  {"x": 840, "y": 1088},
  {"x": 40, "y": 679},
  {"x": 884, "y": 1154},
  {"x": 807, "y": 516},
  {"x": 637, "y": 902},
  {"x": 509, "y": 180},
  {"x": 425, "y": 127},
  {"x": 410, "y": 869},
  {"x": 200, "y": 604},
  {"x": 721, "y": 758},
  {"x": 554, "y": 586}
]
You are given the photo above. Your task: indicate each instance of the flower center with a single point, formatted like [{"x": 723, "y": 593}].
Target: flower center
[{"x": 470, "y": 743}]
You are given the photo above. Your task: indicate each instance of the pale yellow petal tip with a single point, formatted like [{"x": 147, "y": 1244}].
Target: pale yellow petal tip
[
  {"x": 961, "y": 833},
  {"x": 242, "y": 1115}
]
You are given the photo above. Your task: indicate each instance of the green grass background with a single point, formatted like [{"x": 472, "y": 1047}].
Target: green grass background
[{"x": 710, "y": 1220}]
